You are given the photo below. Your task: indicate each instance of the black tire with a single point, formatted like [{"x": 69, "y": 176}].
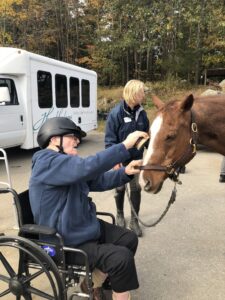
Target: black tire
[{"x": 22, "y": 278}]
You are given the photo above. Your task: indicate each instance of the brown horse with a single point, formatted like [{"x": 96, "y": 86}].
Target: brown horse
[{"x": 177, "y": 128}]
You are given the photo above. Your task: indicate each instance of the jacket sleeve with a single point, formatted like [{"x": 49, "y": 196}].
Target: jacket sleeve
[
  {"x": 147, "y": 123},
  {"x": 109, "y": 180},
  {"x": 60, "y": 169},
  {"x": 111, "y": 130}
]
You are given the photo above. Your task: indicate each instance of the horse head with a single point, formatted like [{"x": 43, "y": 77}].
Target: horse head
[{"x": 169, "y": 147}]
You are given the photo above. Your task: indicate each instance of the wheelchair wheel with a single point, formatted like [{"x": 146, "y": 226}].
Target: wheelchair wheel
[{"x": 27, "y": 272}]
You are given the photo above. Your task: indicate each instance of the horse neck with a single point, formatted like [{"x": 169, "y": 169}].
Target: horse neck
[{"x": 209, "y": 117}]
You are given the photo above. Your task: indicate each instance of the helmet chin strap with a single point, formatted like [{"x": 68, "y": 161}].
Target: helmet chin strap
[{"x": 60, "y": 147}]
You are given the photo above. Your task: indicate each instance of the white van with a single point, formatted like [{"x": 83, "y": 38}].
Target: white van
[{"x": 34, "y": 88}]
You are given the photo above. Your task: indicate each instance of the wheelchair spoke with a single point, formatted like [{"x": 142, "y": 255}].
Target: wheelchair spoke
[
  {"x": 34, "y": 290},
  {"x": 6, "y": 292},
  {"x": 4, "y": 278},
  {"x": 35, "y": 269},
  {"x": 37, "y": 292},
  {"x": 33, "y": 276},
  {"x": 7, "y": 266},
  {"x": 27, "y": 297}
]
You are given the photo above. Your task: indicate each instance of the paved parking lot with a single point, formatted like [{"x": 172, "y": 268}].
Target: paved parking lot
[{"x": 181, "y": 258}]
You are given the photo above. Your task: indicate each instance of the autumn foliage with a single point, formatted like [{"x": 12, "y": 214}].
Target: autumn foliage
[{"x": 149, "y": 40}]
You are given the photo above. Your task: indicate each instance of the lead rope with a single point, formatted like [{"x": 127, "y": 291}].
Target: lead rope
[{"x": 171, "y": 201}]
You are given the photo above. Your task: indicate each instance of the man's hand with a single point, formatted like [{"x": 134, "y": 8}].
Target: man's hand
[
  {"x": 130, "y": 169},
  {"x": 132, "y": 138}
]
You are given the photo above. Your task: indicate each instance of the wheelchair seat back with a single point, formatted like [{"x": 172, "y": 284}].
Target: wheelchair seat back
[
  {"x": 25, "y": 215},
  {"x": 26, "y": 220}
]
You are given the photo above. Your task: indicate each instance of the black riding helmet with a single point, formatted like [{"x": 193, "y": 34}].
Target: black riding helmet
[{"x": 57, "y": 126}]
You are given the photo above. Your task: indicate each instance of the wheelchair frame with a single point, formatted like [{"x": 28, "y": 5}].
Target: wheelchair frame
[{"x": 34, "y": 261}]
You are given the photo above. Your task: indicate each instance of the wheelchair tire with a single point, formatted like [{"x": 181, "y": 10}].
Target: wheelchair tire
[{"x": 34, "y": 268}]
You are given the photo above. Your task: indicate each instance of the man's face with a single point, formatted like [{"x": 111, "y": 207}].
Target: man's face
[{"x": 70, "y": 142}]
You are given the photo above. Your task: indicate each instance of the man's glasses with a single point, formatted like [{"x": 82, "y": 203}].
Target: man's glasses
[{"x": 72, "y": 136}]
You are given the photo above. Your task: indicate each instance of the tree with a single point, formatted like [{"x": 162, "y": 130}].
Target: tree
[{"x": 145, "y": 39}]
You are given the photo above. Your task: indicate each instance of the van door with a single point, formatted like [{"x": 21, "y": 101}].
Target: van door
[{"x": 12, "y": 127}]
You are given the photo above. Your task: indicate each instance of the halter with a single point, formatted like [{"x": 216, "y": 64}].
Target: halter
[{"x": 172, "y": 170}]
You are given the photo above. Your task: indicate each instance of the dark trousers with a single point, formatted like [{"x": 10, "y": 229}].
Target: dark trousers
[
  {"x": 114, "y": 254},
  {"x": 135, "y": 195}
]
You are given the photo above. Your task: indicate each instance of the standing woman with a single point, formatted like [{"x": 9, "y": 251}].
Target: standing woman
[{"x": 126, "y": 117}]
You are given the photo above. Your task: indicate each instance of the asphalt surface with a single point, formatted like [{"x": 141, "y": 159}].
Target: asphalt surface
[{"x": 183, "y": 257}]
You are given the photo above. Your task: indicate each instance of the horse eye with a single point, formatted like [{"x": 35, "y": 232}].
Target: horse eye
[{"x": 170, "y": 137}]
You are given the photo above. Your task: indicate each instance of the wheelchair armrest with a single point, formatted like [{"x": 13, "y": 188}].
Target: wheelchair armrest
[
  {"x": 106, "y": 214},
  {"x": 38, "y": 229}
]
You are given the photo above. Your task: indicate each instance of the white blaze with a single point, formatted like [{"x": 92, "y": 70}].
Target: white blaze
[{"x": 155, "y": 127}]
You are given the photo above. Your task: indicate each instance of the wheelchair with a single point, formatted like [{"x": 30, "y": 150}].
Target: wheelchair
[{"x": 44, "y": 270}]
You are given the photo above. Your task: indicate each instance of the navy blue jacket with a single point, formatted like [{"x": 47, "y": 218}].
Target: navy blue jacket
[
  {"x": 121, "y": 122},
  {"x": 59, "y": 187}
]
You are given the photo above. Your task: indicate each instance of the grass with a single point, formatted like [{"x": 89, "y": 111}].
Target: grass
[{"x": 101, "y": 126}]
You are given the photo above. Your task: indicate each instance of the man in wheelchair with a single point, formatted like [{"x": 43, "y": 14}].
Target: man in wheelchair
[{"x": 58, "y": 190}]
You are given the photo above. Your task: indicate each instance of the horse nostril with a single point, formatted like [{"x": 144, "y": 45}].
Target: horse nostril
[{"x": 147, "y": 187}]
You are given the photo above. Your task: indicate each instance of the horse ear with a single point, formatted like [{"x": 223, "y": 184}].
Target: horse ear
[
  {"x": 157, "y": 102},
  {"x": 187, "y": 103}
]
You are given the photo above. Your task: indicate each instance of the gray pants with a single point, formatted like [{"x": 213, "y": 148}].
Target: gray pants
[
  {"x": 135, "y": 194},
  {"x": 134, "y": 185},
  {"x": 222, "y": 170}
]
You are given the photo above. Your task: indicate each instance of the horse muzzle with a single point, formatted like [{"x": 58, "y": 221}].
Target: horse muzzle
[{"x": 149, "y": 188}]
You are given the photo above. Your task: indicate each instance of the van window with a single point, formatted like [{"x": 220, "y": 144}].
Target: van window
[
  {"x": 85, "y": 93},
  {"x": 74, "y": 92},
  {"x": 5, "y": 82},
  {"x": 61, "y": 90},
  {"x": 44, "y": 82}
]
